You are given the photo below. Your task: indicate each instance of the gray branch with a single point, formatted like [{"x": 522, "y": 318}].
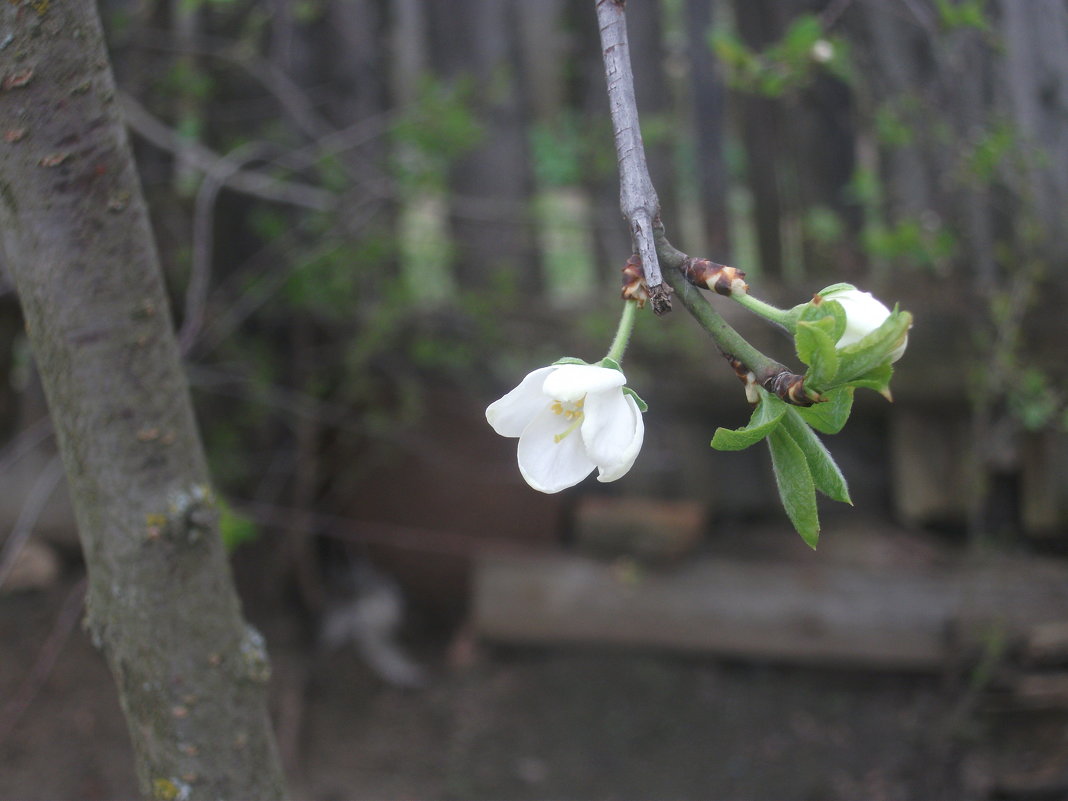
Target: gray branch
[
  {"x": 205, "y": 160},
  {"x": 637, "y": 195}
]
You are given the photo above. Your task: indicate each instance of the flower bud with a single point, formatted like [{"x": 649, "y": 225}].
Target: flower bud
[{"x": 864, "y": 313}]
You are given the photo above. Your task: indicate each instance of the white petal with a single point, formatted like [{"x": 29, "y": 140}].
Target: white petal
[
  {"x": 548, "y": 465},
  {"x": 863, "y": 315},
  {"x": 512, "y": 413},
  {"x": 613, "y": 431},
  {"x": 571, "y": 381}
]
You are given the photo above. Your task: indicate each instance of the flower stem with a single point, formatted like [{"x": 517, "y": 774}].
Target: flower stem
[
  {"x": 765, "y": 310},
  {"x": 622, "y": 338},
  {"x": 729, "y": 341}
]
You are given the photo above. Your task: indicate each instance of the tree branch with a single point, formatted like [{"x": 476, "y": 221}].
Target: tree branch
[
  {"x": 641, "y": 208},
  {"x": 750, "y": 364},
  {"x": 637, "y": 195},
  {"x": 215, "y": 179},
  {"x": 32, "y": 507},
  {"x": 204, "y": 159}
]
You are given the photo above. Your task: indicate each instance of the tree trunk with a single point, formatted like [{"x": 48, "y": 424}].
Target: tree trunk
[{"x": 191, "y": 674}]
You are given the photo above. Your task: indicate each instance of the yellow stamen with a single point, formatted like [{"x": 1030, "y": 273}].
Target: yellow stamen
[{"x": 569, "y": 410}]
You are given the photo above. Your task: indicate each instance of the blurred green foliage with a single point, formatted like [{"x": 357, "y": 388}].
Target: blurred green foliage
[
  {"x": 432, "y": 132},
  {"x": 803, "y": 53},
  {"x": 953, "y": 14},
  {"x": 234, "y": 528}
]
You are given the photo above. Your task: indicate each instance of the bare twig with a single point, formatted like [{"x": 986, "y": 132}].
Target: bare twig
[
  {"x": 66, "y": 620},
  {"x": 222, "y": 172},
  {"x": 31, "y": 510},
  {"x": 637, "y": 195},
  {"x": 24, "y": 442},
  {"x": 829, "y": 16},
  {"x": 393, "y": 535},
  {"x": 291, "y": 98},
  {"x": 206, "y": 160}
]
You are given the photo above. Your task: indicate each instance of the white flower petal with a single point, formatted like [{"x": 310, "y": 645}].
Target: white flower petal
[
  {"x": 548, "y": 465},
  {"x": 569, "y": 382},
  {"x": 864, "y": 313},
  {"x": 613, "y": 431},
  {"x": 513, "y": 413}
]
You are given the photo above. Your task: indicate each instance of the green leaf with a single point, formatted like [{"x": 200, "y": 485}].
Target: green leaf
[
  {"x": 830, "y": 416},
  {"x": 825, "y": 473},
  {"x": 796, "y": 488},
  {"x": 643, "y": 407},
  {"x": 765, "y": 419},
  {"x": 572, "y": 360}
]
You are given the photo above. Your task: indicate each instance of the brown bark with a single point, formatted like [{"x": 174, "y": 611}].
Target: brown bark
[{"x": 190, "y": 672}]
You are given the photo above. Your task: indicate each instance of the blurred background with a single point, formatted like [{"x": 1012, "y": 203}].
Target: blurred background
[{"x": 376, "y": 216}]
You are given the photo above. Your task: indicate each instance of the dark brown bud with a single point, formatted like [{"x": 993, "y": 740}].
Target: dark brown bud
[
  {"x": 719, "y": 278},
  {"x": 634, "y": 286},
  {"x": 789, "y": 387}
]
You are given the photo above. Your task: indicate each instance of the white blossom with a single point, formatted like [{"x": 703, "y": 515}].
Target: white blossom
[
  {"x": 864, "y": 313},
  {"x": 570, "y": 419}
]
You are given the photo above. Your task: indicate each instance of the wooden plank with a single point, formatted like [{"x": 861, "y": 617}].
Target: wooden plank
[
  {"x": 773, "y": 611},
  {"x": 812, "y": 612}
]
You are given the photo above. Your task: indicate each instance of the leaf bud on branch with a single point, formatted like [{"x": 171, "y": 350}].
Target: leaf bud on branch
[
  {"x": 634, "y": 285},
  {"x": 720, "y": 278}
]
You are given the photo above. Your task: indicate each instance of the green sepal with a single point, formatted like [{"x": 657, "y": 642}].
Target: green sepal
[
  {"x": 874, "y": 349},
  {"x": 611, "y": 364},
  {"x": 570, "y": 360},
  {"x": 824, "y": 310},
  {"x": 877, "y": 379},
  {"x": 840, "y": 287},
  {"x": 826, "y": 475},
  {"x": 796, "y": 487},
  {"x": 830, "y": 416},
  {"x": 765, "y": 419},
  {"x": 643, "y": 407}
]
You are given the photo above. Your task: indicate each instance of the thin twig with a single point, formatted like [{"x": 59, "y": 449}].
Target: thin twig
[
  {"x": 25, "y": 442},
  {"x": 207, "y": 161},
  {"x": 294, "y": 403},
  {"x": 393, "y": 535},
  {"x": 637, "y": 195},
  {"x": 31, "y": 510},
  {"x": 66, "y": 620},
  {"x": 222, "y": 172},
  {"x": 291, "y": 98},
  {"x": 301, "y": 111},
  {"x": 829, "y": 16}
]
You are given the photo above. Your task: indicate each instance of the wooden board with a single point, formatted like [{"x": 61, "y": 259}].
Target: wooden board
[{"x": 910, "y": 618}]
